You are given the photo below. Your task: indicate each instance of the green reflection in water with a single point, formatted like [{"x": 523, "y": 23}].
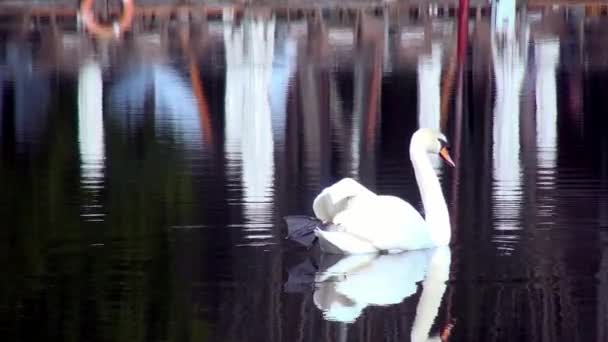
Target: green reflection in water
[{"x": 71, "y": 280}]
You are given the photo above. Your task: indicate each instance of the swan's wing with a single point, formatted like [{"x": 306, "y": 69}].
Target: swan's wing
[
  {"x": 388, "y": 222},
  {"x": 334, "y": 198}
]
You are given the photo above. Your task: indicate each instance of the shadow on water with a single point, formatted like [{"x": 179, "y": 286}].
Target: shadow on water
[{"x": 144, "y": 179}]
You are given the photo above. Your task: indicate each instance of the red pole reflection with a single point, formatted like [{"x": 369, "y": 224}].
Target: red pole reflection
[
  {"x": 463, "y": 37},
  {"x": 463, "y": 30},
  {"x": 199, "y": 91},
  {"x": 374, "y": 98}
]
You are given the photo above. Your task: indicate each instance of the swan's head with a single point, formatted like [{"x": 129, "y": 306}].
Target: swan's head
[{"x": 432, "y": 141}]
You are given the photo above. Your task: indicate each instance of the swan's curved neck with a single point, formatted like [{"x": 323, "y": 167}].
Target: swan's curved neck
[{"x": 435, "y": 209}]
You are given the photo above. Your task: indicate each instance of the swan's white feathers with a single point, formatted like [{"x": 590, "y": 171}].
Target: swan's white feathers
[
  {"x": 366, "y": 222},
  {"x": 395, "y": 225}
]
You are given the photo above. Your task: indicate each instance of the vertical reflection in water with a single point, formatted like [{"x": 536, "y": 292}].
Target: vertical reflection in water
[
  {"x": 343, "y": 283},
  {"x": 387, "y": 65},
  {"x": 310, "y": 119},
  {"x": 283, "y": 69},
  {"x": 2, "y": 80},
  {"x": 174, "y": 105},
  {"x": 503, "y": 13},
  {"x": 175, "y": 109},
  {"x": 602, "y": 274},
  {"x": 31, "y": 96},
  {"x": 339, "y": 124},
  {"x": 429, "y": 75},
  {"x": 433, "y": 289},
  {"x": 602, "y": 288},
  {"x": 360, "y": 88},
  {"x": 367, "y": 169},
  {"x": 90, "y": 138},
  {"x": 249, "y": 138},
  {"x": 429, "y": 72},
  {"x": 509, "y": 57},
  {"x": 367, "y": 74},
  {"x": 547, "y": 56}
]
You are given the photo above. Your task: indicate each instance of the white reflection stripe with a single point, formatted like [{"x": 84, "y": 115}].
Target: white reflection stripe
[
  {"x": 509, "y": 67},
  {"x": 547, "y": 56},
  {"x": 249, "y": 49},
  {"x": 90, "y": 121},
  {"x": 90, "y": 138},
  {"x": 429, "y": 94}
]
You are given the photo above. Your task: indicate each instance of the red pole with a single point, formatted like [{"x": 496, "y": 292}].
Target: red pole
[
  {"x": 463, "y": 29},
  {"x": 463, "y": 37}
]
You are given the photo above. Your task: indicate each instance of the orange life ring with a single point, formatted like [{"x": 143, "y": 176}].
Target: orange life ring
[{"x": 107, "y": 30}]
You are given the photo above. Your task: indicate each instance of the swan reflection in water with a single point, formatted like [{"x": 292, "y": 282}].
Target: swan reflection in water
[{"x": 346, "y": 285}]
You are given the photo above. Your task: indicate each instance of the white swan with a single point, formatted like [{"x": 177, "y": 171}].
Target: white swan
[
  {"x": 342, "y": 291},
  {"x": 355, "y": 220}
]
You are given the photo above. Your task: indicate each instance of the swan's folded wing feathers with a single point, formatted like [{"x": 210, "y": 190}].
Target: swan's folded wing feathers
[{"x": 332, "y": 199}]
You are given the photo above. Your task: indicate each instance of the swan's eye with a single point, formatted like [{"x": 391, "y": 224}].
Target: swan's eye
[{"x": 443, "y": 143}]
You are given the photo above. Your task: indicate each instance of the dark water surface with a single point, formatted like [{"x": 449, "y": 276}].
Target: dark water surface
[{"x": 143, "y": 181}]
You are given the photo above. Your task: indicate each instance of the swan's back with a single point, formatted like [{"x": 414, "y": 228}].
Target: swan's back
[
  {"x": 388, "y": 222},
  {"x": 368, "y": 222}
]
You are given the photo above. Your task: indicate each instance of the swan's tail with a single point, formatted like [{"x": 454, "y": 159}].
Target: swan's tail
[
  {"x": 305, "y": 230},
  {"x": 301, "y": 229}
]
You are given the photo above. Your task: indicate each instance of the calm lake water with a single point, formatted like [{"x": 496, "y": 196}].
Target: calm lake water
[{"x": 143, "y": 181}]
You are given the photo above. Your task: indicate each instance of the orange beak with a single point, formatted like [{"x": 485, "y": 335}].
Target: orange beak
[{"x": 445, "y": 155}]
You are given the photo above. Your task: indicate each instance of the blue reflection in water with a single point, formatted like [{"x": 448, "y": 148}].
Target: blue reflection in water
[
  {"x": 173, "y": 103},
  {"x": 31, "y": 98}
]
